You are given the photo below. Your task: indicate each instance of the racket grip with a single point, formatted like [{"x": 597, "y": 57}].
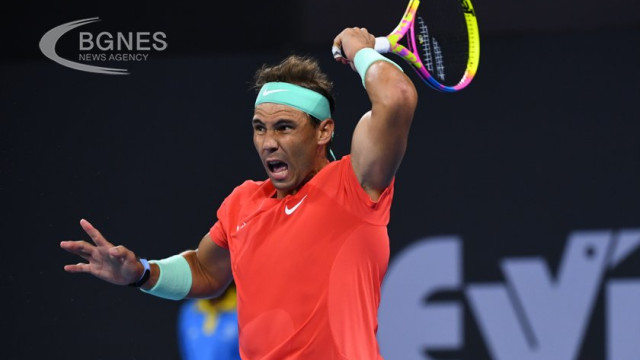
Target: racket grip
[{"x": 382, "y": 45}]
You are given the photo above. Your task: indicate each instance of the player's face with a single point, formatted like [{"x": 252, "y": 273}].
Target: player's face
[{"x": 287, "y": 143}]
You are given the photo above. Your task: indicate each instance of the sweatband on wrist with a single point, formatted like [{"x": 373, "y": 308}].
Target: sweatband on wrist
[
  {"x": 367, "y": 56},
  {"x": 174, "y": 281},
  {"x": 301, "y": 98}
]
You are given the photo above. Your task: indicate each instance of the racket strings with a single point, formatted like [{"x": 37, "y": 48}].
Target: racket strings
[
  {"x": 424, "y": 43},
  {"x": 442, "y": 40}
]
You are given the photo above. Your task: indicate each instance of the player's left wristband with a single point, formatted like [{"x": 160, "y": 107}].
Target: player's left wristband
[
  {"x": 145, "y": 275},
  {"x": 365, "y": 57},
  {"x": 175, "y": 279}
]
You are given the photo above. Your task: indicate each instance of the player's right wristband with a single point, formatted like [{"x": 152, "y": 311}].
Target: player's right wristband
[
  {"x": 174, "y": 281},
  {"x": 367, "y": 56}
]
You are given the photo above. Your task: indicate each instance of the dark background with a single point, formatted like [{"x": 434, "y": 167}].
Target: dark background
[{"x": 544, "y": 141}]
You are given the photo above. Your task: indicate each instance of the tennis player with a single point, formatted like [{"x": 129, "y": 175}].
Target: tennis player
[{"x": 308, "y": 246}]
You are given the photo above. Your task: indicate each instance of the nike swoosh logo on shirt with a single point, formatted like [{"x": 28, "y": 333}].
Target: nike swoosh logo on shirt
[
  {"x": 290, "y": 211},
  {"x": 266, "y": 92}
]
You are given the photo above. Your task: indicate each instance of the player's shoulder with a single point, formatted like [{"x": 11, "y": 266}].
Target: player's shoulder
[
  {"x": 337, "y": 166},
  {"x": 250, "y": 188},
  {"x": 247, "y": 187}
]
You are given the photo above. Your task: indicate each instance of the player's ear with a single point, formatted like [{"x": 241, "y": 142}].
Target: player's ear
[{"x": 325, "y": 131}]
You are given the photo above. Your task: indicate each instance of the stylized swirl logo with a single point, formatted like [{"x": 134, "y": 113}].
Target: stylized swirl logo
[{"x": 48, "y": 48}]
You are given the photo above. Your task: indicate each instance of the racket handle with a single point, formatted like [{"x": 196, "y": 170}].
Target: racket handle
[{"x": 382, "y": 45}]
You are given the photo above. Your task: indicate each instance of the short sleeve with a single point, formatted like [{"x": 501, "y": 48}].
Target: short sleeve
[
  {"x": 228, "y": 212},
  {"x": 218, "y": 235},
  {"x": 343, "y": 183},
  {"x": 376, "y": 212}
]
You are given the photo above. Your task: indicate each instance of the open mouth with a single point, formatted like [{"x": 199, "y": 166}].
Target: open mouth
[{"x": 278, "y": 169}]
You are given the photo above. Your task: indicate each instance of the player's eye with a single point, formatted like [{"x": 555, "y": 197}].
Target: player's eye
[{"x": 284, "y": 127}]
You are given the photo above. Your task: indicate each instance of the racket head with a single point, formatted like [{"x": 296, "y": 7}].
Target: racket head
[{"x": 440, "y": 40}]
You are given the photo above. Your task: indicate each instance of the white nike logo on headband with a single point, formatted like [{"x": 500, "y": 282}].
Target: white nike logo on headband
[{"x": 266, "y": 92}]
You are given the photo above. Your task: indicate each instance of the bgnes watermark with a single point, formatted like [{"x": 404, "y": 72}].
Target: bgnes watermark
[{"x": 118, "y": 47}]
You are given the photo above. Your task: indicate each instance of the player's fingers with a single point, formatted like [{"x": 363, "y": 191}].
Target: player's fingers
[
  {"x": 80, "y": 248},
  {"x": 336, "y": 51},
  {"x": 95, "y": 235},
  {"x": 77, "y": 268},
  {"x": 358, "y": 29},
  {"x": 338, "y": 55},
  {"x": 76, "y": 246}
]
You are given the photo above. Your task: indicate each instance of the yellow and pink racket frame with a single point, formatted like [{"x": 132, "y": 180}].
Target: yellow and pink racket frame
[{"x": 390, "y": 43}]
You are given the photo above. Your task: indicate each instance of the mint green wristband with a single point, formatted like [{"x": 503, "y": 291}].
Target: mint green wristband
[
  {"x": 367, "y": 56},
  {"x": 175, "y": 278}
]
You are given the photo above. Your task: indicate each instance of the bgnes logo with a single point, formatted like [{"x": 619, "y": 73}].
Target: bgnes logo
[{"x": 103, "y": 47}]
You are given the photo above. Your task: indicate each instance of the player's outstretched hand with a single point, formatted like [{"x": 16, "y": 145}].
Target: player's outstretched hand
[{"x": 115, "y": 264}]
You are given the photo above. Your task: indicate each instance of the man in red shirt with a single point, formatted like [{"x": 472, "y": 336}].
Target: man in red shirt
[{"x": 307, "y": 247}]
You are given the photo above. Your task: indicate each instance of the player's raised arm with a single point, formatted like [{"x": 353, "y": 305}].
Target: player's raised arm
[{"x": 380, "y": 137}]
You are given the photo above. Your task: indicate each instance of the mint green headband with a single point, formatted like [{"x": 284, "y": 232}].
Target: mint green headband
[{"x": 295, "y": 96}]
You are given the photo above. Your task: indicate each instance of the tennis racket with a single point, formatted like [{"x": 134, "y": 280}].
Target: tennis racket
[{"x": 441, "y": 42}]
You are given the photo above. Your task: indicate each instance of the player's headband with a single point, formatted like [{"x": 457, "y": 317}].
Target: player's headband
[{"x": 295, "y": 96}]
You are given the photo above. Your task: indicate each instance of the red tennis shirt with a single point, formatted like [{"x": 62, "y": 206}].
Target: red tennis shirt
[{"x": 308, "y": 268}]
